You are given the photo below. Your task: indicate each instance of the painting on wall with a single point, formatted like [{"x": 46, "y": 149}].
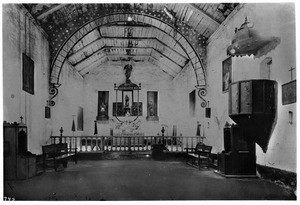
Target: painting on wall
[
  {"x": 118, "y": 111},
  {"x": 137, "y": 109},
  {"x": 226, "y": 74},
  {"x": 152, "y": 106},
  {"x": 289, "y": 93},
  {"x": 102, "y": 105},
  {"x": 28, "y": 74}
]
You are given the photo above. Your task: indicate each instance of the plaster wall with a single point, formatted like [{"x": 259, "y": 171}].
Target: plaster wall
[
  {"x": 269, "y": 20},
  {"x": 21, "y": 35},
  {"x": 184, "y": 84},
  {"x": 69, "y": 98}
]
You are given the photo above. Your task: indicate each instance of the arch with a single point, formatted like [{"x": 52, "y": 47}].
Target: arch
[{"x": 85, "y": 29}]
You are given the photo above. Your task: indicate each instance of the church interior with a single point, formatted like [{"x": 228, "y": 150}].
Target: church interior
[{"x": 116, "y": 101}]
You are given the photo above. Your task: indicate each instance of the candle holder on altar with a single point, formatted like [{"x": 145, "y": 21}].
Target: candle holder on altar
[{"x": 61, "y": 132}]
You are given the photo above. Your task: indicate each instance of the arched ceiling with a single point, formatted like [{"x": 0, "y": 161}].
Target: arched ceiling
[{"x": 169, "y": 36}]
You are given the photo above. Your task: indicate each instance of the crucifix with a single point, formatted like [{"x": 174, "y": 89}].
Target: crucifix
[{"x": 292, "y": 72}]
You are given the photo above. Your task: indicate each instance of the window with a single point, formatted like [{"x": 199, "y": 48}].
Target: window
[{"x": 265, "y": 66}]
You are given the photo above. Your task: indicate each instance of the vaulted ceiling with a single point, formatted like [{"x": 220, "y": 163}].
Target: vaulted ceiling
[{"x": 169, "y": 36}]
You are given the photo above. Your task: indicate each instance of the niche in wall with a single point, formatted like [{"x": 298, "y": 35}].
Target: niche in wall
[
  {"x": 192, "y": 101},
  {"x": 80, "y": 119}
]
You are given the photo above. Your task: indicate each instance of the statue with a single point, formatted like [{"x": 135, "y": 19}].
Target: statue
[
  {"x": 128, "y": 70},
  {"x": 126, "y": 101}
]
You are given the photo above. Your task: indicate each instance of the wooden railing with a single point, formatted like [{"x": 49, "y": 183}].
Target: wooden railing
[{"x": 125, "y": 143}]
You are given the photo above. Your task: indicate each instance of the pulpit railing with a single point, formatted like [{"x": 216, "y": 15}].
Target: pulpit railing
[{"x": 125, "y": 143}]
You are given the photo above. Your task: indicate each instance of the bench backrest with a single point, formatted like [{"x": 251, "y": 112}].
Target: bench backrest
[
  {"x": 200, "y": 147},
  {"x": 55, "y": 148}
]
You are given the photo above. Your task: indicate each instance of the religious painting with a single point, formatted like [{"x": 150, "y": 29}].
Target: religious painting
[
  {"x": 80, "y": 119},
  {"x": 152, "y": 114},
  {"x": 289, "y": 93},
  {"x": 102, "y": 105},
  {"x": 28, "y": 74},
  {"x": 137, "y": 109},
  {"x": 226, "y": 74},
  {"x": 118, "y": 109},
  {"x": 192, "y": 101}
]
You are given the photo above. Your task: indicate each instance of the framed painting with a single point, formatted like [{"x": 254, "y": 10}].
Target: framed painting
[
  {"x": 28, "y": 74},
  {"x": 152, "y": 114},
  {"x": 103, "y": 97},
  {"x": 226, "y": 74},
  {"x": 289, "y": 93},
  {"x": 118, "y": 109}
]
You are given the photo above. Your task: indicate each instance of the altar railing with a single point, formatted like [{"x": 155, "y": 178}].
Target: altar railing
[{"x": 125, "y": 143}]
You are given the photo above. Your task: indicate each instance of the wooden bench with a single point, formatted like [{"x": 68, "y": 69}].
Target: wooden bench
[
  {"x": 56, "y": 154},
  {"x": 201, "y": 153}
]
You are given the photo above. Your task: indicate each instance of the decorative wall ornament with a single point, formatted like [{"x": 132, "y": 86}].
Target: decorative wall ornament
[
  {"x": 202, "y": 93},
  {"x": 53, "y": 91}
]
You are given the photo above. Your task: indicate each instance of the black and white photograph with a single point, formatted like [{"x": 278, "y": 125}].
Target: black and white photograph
[{"x": 157, "y": 102}]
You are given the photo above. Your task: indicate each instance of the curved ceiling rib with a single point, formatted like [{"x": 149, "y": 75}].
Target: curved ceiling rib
[{"x": 113, "y": 36}]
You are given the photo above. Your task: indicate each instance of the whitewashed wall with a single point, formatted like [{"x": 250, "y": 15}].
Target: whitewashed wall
[
  {"x": 269, "y": 20},
  {"x": 69, "y": 98},
  {"x": 184, "y": 84},
  {"x": 17, "y": 102}
]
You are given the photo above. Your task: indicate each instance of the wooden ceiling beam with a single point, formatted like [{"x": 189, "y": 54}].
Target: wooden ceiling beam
[
  {"x": 203, "y": 13},
  {"x": 50, "y": 11},
  {"x": 154, "y": 49},
  {"x": 162, "y": 65},
  {"x": 110, "y": 47},
  {"x": 126, "y": 38}
]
